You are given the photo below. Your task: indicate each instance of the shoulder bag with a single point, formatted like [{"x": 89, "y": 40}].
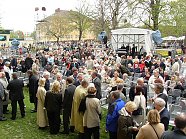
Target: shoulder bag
[
  {"x": 155, "y": 131},
  {"x": 139, "y": 111}
]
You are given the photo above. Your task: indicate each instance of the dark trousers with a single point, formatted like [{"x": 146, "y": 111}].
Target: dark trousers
[
  {"x": 66, "y": 120},
  {"x": 90, "y": 131},
  {"x": 81, "y": 136},
  {"x": 35, "y": 104},
  {"x": 54, "y": 121},
  {"x": 1, "y": 108},
  {"x": 5, "y": 108},
  {"x": 112, "y": 135},
  {"x": 14, "y": 107}
]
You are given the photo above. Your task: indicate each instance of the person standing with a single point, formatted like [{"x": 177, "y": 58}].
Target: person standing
[
  {"x": 53, "y": 105},
  {"x": 97, "y": 83},
  {"x": 46, "y": 75},
  {"x": 153, "y": 129},
  {"x": 76, "y": 116},
  {"x": 139, "y": 114},
  {"x": 16, "y": 95},
  {"x": 180, "y": 130},
  {"x": 113, "y": 114},
  {"x": 33, "y": 86},
  {"x": 159, "y": 105},
  {"x": 2, "y": 97},
  {"x": 4, "y": 82},
  {"x": 126, "y": 126},
  {"x": 67, "y": 104},
  {"x": 92, "y": 115},
  {"x": 42, "y": 119},
  {"x": 28, "y": 62}
]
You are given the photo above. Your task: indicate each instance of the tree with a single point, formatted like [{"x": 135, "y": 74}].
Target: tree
[
  {"x": 17, "y": 34},
  {"x": 33, "y": 35},
  {"x": 80, "y": 18},
  {"x": 149, "y": 12},
  {"x": 177, "y": 17},
  {"x": 116, "y": 12},
  {"x": 101, "y": 23},
  {"x": 56, "y": 25}
]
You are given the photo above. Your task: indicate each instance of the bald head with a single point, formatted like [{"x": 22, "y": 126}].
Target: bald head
[{"x": 180, "y": 121}]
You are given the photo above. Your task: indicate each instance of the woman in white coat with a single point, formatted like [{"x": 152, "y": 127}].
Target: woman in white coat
[
  {"x": 42, "y": 120},
  {"x": 140, "y": 102}
]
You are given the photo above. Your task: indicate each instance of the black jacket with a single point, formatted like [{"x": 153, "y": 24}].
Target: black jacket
[
  {"x": 97, "y": 83},
  {"x": 132, "y": 92},
  {"x": 164, "y": 118},
  {"x": 28, "y": 63},
  {"x": 53, "y": 102},
  {"x": 68, "y": 97},
  {"x": 16, "y": 89},
  {"x": 33, "y": 86}
]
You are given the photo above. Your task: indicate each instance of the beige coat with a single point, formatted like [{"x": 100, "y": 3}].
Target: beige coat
[
  {"x": 93, "y": 109},
  {"x": 76, "y": 117},
  {"x": 5, "y": 84},
  {"x": 42, "y": 120},
  {"x": 147, "y": 132}
]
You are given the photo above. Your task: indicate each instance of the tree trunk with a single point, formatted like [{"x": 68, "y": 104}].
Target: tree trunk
[
  {"x": 80, "y": 34},
  {"x": 57, "y": 40}
]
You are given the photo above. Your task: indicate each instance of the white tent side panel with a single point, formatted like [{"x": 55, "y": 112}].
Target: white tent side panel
[{"x": 130, "y": 36}]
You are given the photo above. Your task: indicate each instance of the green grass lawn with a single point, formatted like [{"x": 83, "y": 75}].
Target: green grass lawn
[{"x": 26, "y": 128}]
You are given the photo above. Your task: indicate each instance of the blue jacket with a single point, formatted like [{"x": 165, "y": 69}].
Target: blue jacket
[{"x": 113, "y": 115}]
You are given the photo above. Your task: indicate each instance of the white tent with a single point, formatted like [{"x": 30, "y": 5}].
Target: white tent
[
  {"x": 170, "y": 38},
  {"x": 181, "y": 38},
  {"x": 130, "y": 36}
]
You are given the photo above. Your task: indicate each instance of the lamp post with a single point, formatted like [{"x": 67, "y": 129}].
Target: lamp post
[{"x": 40, "y": 14}]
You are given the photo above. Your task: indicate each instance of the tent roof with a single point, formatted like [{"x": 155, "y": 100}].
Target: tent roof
[
  {"x": 132, "y": 31},
  {"x": 181, "y": 38},
  {"x": 169, "y": 38}
]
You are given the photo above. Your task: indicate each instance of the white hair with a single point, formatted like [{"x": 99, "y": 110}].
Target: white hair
[
  {"x": 46, "y": 73},
  {"x": 160, "y": 102}
]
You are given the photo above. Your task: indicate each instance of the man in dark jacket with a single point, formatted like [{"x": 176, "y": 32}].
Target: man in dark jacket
[
  {"x": 33, "y": 86},
  {"x": 46, "y": 75},
  {"x": 180, "y": 130},
  {"x": 140, "y": 82},
  {"x": 28, "y": 62},
  {"x": 16, "y": 95},
  {"x": 159, "y": 105},
  {"x": 97, "y": 83},
  {"x": 159, "y": 92},
  {"x": 67, "y": 104}
]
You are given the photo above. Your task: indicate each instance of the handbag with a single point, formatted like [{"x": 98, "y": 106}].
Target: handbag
[
  {"x": 155, "y": 131},
  {"x": 139, "y": 111}
]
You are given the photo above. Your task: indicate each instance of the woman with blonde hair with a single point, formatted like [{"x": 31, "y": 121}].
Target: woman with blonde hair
[
  {"x": 53, "y": 105},
  {"x": 42, "y": 120},
  {"x": 153, "y": 129},
  {"x": 126, "y": 126}
]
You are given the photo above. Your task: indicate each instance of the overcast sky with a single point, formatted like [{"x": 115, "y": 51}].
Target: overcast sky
[{"x": 20, "y": 14}]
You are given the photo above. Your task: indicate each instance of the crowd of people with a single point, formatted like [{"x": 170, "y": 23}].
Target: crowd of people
[{"x": 69, "y": 81}]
